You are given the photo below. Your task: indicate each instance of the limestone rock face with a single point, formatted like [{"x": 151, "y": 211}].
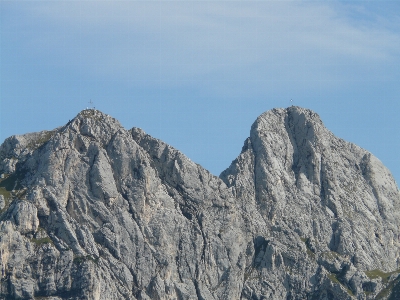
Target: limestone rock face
[{"x": 91, "y": 210}]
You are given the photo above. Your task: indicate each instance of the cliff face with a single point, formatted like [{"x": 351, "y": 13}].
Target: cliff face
[{"x": 93, "y": 211}]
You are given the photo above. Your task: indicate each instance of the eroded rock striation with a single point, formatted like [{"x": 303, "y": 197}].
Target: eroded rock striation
[{"x": 91, "y": 210}]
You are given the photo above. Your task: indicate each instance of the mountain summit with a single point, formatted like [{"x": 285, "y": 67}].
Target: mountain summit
[{"x": 91, "y": 210}]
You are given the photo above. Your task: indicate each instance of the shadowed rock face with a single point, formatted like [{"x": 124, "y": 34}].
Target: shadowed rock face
[{"x": 93, "y": 211}]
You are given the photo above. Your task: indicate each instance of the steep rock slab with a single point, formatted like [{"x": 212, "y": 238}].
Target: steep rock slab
[{"x": 336, "y": 197}]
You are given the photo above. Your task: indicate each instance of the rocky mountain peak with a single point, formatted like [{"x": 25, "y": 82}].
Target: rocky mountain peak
[
  {"x": 295, "y": 115},
  {"x": 96, "y": 116},
  {"x": 94, "y": 124},
  {"x": 305, "y": 178},
  {"x": 91, "y": 210}
]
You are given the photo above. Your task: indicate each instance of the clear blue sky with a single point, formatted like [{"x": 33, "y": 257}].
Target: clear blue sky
[{"x": 197, "y": 74}]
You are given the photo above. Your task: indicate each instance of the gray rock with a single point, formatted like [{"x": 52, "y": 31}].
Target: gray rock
[
  {"x": 109, "y": 213},
  {"x": 24, "y": 215},
  {"x": 2, "y": 202}
]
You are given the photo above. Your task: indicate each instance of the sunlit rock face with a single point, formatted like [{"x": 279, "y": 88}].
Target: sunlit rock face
[{"x": 91, "y": 210}]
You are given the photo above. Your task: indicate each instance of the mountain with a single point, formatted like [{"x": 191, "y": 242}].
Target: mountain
[{"x": 91, "y": 210}]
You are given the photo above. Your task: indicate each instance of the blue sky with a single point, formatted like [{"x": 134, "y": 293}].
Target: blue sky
[{"x": 197, "y": 74}]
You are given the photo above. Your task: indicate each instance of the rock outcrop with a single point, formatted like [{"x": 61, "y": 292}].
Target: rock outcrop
[{"x": 91, "y": 210}]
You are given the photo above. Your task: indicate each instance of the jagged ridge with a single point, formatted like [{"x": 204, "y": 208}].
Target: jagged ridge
[{"x": 93, "y": 211}]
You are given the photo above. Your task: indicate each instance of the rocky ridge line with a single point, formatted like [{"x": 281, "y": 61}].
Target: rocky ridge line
[{"x": 91, "y": 210}]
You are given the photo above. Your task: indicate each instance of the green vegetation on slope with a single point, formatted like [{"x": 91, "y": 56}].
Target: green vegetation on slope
[
  {"x": 35, "y": 144},
  {"x": 39, "y": 242},
  {"x": 380, "y": 274}
]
